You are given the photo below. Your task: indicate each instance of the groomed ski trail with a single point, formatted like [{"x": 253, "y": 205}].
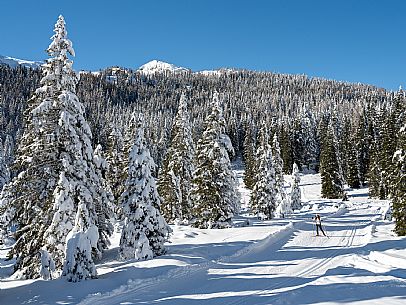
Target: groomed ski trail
[{"x": 271, "y": 272}]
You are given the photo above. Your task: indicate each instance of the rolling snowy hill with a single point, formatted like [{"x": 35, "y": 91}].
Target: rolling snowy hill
[
  {"x": 257, "y": 262},
  {"x": 14, "y": 62}
]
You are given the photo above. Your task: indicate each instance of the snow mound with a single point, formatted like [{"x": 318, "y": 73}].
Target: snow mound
[
  {"x": 160, "y": 67},
  {"x": 15, "y": 62}
]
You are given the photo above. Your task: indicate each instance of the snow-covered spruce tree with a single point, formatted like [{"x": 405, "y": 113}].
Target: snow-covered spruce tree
[
  {"x": 249, "y": 158},
  {"x": 47, "y": 265},
  {"x": 353, "y": 166},
  {"x": 116, "y": 162},
  {"x": 388, "y": 137},
  {"x": 286, "y": 146},
  {"x": 399, "y": 192},
  {"x": 145, "y": 230},
  {"x": 64, "y": 211},
  {"x": 374, "y": 175},
  {"x": 175, "y": 178},
  {"x": 226, "y": 143},
  {"x": 295, "y": 195},
  {"x": 399, "y": 185},
  {"x": 283, "y": 203},
  {"x": 81, "y": 242},
  {"x": 84, "y": 183},
  {"x": 362, "y": 145},
  {"x": 105, "y": 206},
  {"x": 54, "y": 161},
  {"x": 4, "y": 171},
  {"x": 331, "y": 182},
  {"x": 263, "y": 200},
  {"x": 214, "y": 192}
]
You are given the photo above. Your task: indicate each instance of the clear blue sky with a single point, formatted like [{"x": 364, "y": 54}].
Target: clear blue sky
[{"x": 357, "y": 40}]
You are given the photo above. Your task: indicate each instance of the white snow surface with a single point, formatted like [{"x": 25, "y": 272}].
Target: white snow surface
[
  {"x": 156, "y": 66},
  {"x": 280, "y": 261},
  {"x": 14, "y": 62}
]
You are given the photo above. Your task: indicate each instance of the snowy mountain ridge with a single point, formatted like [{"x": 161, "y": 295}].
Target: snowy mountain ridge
[
  {"x": 160, "y": 67},
  {"x": 157, "y": 66},
  {"x": 14, "y": 62}
]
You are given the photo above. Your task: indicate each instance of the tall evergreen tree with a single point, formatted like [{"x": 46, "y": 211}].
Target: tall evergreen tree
[
  {"x": 55, "y": 161},
  {"x": 249, "y": 158},
  {"x": 331, "y": 182},
  {"x": 214, "y": 186},
  {"x": 388, "y": 148},
  {"x": 374, "y": 174},
  {"x": 399, "y": 187},
  {"x": 362, "y": 145},
  {"x": 80, "y": 243},
  {"x": 116, "y": 164},
  {"x": 175, "y": 178},
  {"x": 399, "y": 159},
  {"x": 283, "y": 206},
  {"x": 295, "y": 195},
  {"x": 145, "y": 230},
  {"x": 105, "y": 205},
  {"x": 263, "y": 199},
  {"x": 286, "y": 146},
  {"x": 353, "y": 163},
  {"x": 4, "y": 171}
]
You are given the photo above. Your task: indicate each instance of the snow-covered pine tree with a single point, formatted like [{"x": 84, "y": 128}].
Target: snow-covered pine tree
[
  {"x": 47, "y": 265},
  {"x": 81, "y": 242},
  {"x": 304, "y": 135},
  {"x": 84, "y": 184},
  {"x": 214, "y": 190},
  {"x": 286, "y": 145},
  {"x": 225, "y": 141},
  {"x": 374, "y": 173},
  {"x": 105, "y": 206},
  {"x": 64, "y": 211},
  {"x": 30, "y": 195},
  {"x": 353, "y": 156},
  {"x": 4, "y": 171},
  {"x": 399, "y": 185},
  {"x": 381, "y": 169},
  {"x": 388, "y": 137},
  {"x": 249, "y": 157},
  {"x": 283, "y": 207},
  {"x": 145, "y": 230},
  {"x": 362, "y": 145},
  {"x": 296, "y": 195},
  {"x": 175, "y": 178},
  {"x": 55, "y": 161},
  {"x": 331, "y": 182},
  {"x": 116, "y": 163},
  {"x": 263, "y": 199}
]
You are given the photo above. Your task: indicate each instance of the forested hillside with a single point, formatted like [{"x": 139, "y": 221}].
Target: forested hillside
[{"x": 366, "y": 120}]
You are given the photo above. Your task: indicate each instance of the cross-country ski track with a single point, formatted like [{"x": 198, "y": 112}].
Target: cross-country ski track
[
  {"x": 291, "y": 267},
  {"x": 258, "y": 262}
]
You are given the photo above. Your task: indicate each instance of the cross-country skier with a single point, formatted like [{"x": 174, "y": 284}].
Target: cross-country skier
[{"x": 317, "y": 221}]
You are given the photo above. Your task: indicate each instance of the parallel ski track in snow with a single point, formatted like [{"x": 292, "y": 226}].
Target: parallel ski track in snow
[
  {"x": 307, "y": 271},
  {"x": 180, "y": 272},
  {"x": 346, "y": 241}
]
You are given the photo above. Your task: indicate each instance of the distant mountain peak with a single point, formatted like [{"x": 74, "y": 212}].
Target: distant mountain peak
[
  {"x": 157, "y": 66},
  {"x": 14, "y": 62}
]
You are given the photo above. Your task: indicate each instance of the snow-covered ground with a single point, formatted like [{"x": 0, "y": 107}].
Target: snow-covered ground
[{"x": 258, "y": 262}]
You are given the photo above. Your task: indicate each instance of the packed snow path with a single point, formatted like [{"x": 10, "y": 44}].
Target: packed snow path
[
  {"x": 295, "y": 268},
  {"x": 267, "y": 262}
]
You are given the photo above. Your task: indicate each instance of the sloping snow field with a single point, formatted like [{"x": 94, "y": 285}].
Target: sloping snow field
[{"x": 258, "y": 262}]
